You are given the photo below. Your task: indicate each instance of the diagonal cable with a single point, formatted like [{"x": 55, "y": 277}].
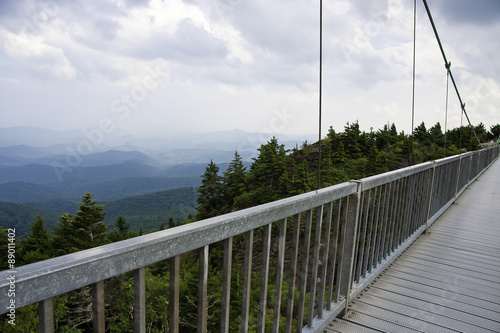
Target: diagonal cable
[{"x": 447, "y": 65}]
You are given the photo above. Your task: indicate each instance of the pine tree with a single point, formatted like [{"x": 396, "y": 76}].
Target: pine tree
[
  {"x": 171, "y": 223},
  {"x": 301, "y": 182},
  {"x": 210, "y": 193},
  {"x": 234, "y": 182},
  {"x": 122, "y": 225},
  {"x": 351, "y": 140},
  {"x": 36, "y": 247},
  {"x": 121, "y": 232},
  {"x": 81, "y": 231},
  {"x": 267, "y": 170}
]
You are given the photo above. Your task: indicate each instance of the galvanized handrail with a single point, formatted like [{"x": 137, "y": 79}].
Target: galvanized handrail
[{"x": 365, "y": 224}]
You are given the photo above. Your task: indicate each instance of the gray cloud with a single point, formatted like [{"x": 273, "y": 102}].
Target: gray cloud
[{"x": 458, "y": 12}]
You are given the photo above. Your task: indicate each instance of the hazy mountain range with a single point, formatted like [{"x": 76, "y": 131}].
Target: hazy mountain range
[{"x": 48, "y": 171}]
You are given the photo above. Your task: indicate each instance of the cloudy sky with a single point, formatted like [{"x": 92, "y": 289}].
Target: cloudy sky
[{"x": 139, "y": 65}]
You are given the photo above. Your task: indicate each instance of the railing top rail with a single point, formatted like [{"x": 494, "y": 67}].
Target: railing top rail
[
  {"x": 452, "y": 158},
  {"x": 65, "y": 273},
  {"x": 377, "y": 180}
]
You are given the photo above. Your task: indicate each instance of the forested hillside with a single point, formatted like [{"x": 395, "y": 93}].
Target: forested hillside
[
  {"x": 274, "y": 174},
  {"x": 352, "y": 154}
]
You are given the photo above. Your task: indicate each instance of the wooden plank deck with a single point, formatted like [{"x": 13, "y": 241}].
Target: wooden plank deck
[{"x": 448, "y": 280}]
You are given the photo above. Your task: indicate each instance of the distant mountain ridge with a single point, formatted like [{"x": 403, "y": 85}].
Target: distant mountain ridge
[{"x": 46, "y": 171}]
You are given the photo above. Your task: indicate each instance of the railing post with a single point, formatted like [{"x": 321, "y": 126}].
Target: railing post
[
  {"x": 349, "y": 243},
  {"x": 140, "y": 300},
  {"x": 98, "y": 320},
  {"x": 226, "y": 284},
  {"x": 173, "y": 306},
  {"x": 203, "y": 290},
  {"x": 46, "y": 315}
]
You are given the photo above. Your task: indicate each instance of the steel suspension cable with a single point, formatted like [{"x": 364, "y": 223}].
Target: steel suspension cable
[
  {"x": 413, "y": 86},
  {"x": 320, "y": 85},
  {"x": 446, "y": 107},
  {"x": 462, "y": 104}
]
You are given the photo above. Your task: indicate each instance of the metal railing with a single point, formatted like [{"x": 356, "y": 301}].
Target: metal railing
[{"x": 325, "y": 245}]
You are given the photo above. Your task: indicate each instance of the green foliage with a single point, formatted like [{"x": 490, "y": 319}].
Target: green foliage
[
  {"x": 149, "y": 211},
  {"x": 210, "y": 195},
  {"x": 81, "y": 231},
  {"x": 274, "y": 174},
  {"x": 37, "y": 245}
]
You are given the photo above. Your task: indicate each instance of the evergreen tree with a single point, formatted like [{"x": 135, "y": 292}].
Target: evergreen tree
[
  {"x": 36, "y": 247},
  {"x": 495, "y": 132},
  {"x": 436, "y": 134},
  {"x": 301, "y": 182},
  {"x": 351, "y": 140},
  {"x": 171, "y": 223},
  {"x": 81, "y": 231},
  {"x": 122, "y": 225},
  {"x": 339, "y": 157},
  {"x": 210, "y": 193},
  {"x": 234, "y": 182},
  {"x": 421, "y": 135},
  {"x": 121, "y": 232},
  {"x": 267, "y": 170}
]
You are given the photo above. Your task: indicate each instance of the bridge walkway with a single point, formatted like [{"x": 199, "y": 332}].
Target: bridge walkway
[{"x": 448, "y": 280}]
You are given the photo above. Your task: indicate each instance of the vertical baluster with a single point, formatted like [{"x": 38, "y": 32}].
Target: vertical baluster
[
  {"x": 226, "y": 284},
  {"x": 173, "y": 306},
  {"x": 393, "y": 218},
  {"x": 266, "y": 248},
  {"x": 379, "y": 191},
  {"x": 400, "y": 220},
  {"x": 362, "y": 239},
  {"x": 46, "y": 315},
  {"x": 315, "y": 262},
  {"x": 293, "y": 265},
  {"x": 370, "y": 232},
  {"x": 98, "y": 320},
  {"x": 324, "y": 265},
  {"x": 410, "y": 200},
  {"x": 140, "y": 300},
  {"x": 279, "y": 275},
  {"x": 386, "y": 226},
  {"x": 357, "y": 242},
  {"x": 334, "y": 247},
  {"x": 247, "y": 277},
  {"x": 303, "y": 275},
  {"x": 202, "y": 290}
]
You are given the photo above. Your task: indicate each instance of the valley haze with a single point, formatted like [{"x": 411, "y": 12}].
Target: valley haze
[{"x": 46, "y": 171}]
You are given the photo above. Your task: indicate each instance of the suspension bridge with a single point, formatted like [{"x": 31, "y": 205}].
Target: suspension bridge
[{"x": 412, "y": 250}]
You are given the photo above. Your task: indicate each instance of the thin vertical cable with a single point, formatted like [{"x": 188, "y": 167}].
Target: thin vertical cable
[
  {"x": 320, "y": 85},
  {"x": 413, "y": 80},
  {"x": 448, "y": 65}
]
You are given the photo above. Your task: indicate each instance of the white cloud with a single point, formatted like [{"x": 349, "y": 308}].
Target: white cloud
[
  {"x": 232, "y": 62},
  {"x": 35, "y": 54}
]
